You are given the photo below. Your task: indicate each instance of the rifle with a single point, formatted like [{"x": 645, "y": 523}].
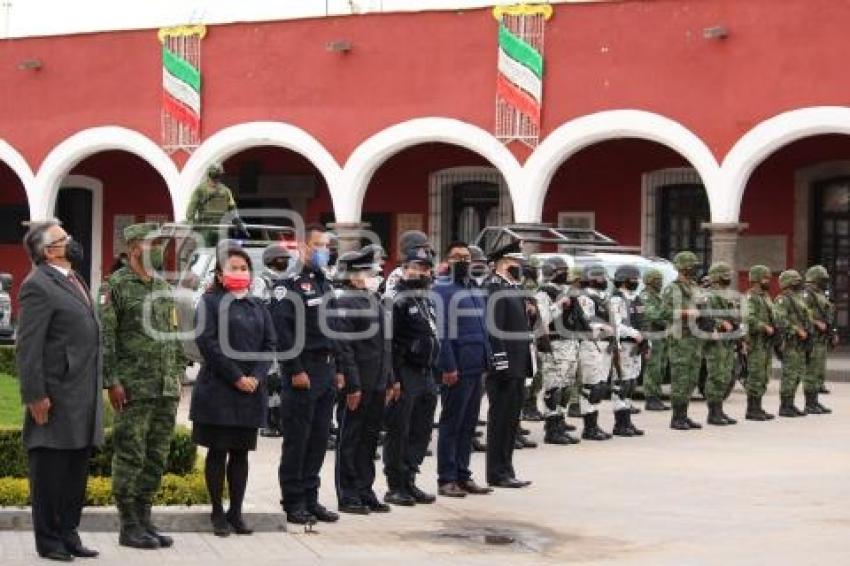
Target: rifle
[{"x": 831, "y": 332}]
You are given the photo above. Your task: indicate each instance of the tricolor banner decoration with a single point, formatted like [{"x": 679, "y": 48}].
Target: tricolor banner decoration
[
  {"x": 519, "y": 83},
  {"x": 181, "y": 87}
]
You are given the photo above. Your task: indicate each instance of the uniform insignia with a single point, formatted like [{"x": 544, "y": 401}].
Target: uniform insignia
[
  {"x": 314, "y": 302},
  {"x": 413, "y": 310},
  {"x": 279, "y": 293}
]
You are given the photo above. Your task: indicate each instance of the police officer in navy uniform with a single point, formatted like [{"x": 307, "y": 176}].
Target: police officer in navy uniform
[
  {"x": 505, "y": 385},
  {"x": 410, "y": 413},
  {"x": 366, "y": 360},
  {"x": 308, "y": 379}
]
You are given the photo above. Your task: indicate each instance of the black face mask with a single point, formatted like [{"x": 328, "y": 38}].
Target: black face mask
[
  {"x": 823, "y": 285},
  {"x": 560, "y": 279},
  {"x": 515, "y": 272},
  {"x": 599, "y": 285},
  {"x": 764, "y": 286},
  {"x": 724, "y": 282},
  {"x": 74, "y": 253},
  {"x": 280, "y": 264},
  {"x": 418, "y": 282},
  {"x": 797, "y": 287},
  {"x": 460, "y": 270},
  {"x": 632, "y": 285}
]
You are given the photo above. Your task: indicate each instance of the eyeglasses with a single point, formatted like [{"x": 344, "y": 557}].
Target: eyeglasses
[{"x": 66, "y": 239}]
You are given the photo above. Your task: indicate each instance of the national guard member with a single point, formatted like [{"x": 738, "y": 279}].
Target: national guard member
[
  {"x": 795, "y": 323},
  {"x": 366, "y": 360},
  {"x": 762, "y": 335},
  {"x": 415, "y": 352},
  {"x": 719, "y": 348},
  {"x": 655, "y": 321},
  {"x": 143, "y": 375},
  {"x": 627, "y": 318},
  {"x": 825, "y": 336},
  {"x": 562, "y": 320},
  {"x": 685, "y": 347},
  {"x": 595, "y": 349},
  {"x": 511, "y": 344},
  {"x": 308, "y": 380},
  {"x": 210, "y": 202}
]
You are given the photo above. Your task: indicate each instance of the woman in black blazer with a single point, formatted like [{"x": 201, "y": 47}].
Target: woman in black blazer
[{"x": 229, "y": 398}]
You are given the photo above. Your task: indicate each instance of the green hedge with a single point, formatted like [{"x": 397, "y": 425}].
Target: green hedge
[
  {"x": 175, "y": 490},
  {"x": 13, "y": 458},
  {"x": 7, "y": 360}
]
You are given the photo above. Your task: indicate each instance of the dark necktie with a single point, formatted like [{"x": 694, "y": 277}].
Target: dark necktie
[{"x": 79, "y": 287}]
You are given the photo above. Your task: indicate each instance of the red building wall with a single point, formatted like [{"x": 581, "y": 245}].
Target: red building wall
[{"x": 13, "y": 258}]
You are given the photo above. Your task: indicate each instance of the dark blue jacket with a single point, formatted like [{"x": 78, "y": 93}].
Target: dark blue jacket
[{"x": 464, "y": 342}]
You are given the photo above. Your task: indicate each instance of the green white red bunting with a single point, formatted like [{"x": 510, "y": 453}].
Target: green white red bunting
[{"x": 181, "y": 86}]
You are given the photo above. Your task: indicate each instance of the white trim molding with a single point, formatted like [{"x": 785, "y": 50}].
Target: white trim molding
[
  {"x": 579, "y": 133},
  {"x": 233, "y": 139},
  {"x": 754, "y": 147},
  {"x": 86, "y": 143},
  {"x": 377, "y": 149},
  {"x": 804, "y": 178},
  {"x": 651, "y": 183},
  {"x": 19, "y": 166},
  {"x": 95, "y": 187}
]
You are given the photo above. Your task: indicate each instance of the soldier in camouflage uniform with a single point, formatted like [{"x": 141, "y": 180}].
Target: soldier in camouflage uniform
[
  {"x": 719, "y": 348},
  {"x": 530, "y": 412},
  {"x": 626, "y": 314},
  {"x": 825, "y": 336},
  {"x": 210, "y": 201},
  {"x": 655, "y": 321},
  {"x": 558, "y": 347},
  {"x": 761, "y": 335},
  {"x": 685, "y": 347},
  {"x": 794, "y": 322},
  {"x": 143, "y": 375}
]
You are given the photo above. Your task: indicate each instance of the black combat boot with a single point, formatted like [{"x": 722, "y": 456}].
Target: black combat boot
[
  {"x": 787, "y": 408},
  {"x": 754, "y": 412},
  {"x": 553, "y": 434},
  {"x": 563, "y": 425},
  {"x": 691, "y": 423},
  {"x": 132, "y": 533},
  {"x": 144, "y": 510},
  {"x": 678, "y": 420},
  {"x": 727, "y": 418},
  {"x": 767, "y": 416},
  {"x": 812, "y": 407},
  {"x": 655, "y": 404},
  {"x": 621, "y": 423},
  {"x": 591, "y": 428},
  {"x": 635, "y": 430},
  {"x": 715, "y": 416}
]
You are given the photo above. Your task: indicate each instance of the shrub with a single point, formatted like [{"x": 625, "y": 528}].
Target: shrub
[{"x": 7, "y": 360}]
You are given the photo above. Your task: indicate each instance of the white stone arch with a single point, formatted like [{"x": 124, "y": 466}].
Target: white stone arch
[
  {"x": 754, "y": 147},
  {"x": 16, "y": 162},
  {"x": 377, "y": 149},
  {"x": 582, "y": 132},
  {"x": 86, "y": 143},
  {"x": 233, "y": 139}
]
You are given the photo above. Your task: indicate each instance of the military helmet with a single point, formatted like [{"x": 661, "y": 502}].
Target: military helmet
[
  {"x": 788, "y": 278},
  {"x": 554, "y": 264},
  {"x": 215, "y": 170},
  {"x": 816, "y": 273},
  {"x": 625, "y": 273},
  {"x": 477, "y": 254},
  {"x": 685, "y": 260},
  {"x": 759, "y": 272},
  {"x": 719, "y": 270},
  {"x": 653, "y": 277},
  {"x": 594, "y": 271},
  {"x": 139, "y": 231}
]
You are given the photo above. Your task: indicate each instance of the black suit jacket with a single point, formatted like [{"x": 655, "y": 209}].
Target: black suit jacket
[
  {"x": 509, "y": 316},
  {"x": 59, "y": 356}
]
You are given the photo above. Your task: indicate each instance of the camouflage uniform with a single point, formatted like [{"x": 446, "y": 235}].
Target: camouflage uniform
[
  {"x": 759, "y": 314},
  {"x": 822, "y": 311},
  {"x": 210, "y": 201},
  {"x": 685, "y": 348},
  {"x": 719, "y": 349},
  {"x": 532, "y": 392},
  {"x": 791, "y": 316},
  {"x": 149, "y": 369},
  {"x": 655, "y": 320}
]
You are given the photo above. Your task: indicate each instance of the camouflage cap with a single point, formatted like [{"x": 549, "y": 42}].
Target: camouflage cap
[
  {"x": 759, "y": 272},
  {"x": 215, "y": 169},
  {"x": 788, "y": 278},
  {"x": 719, "y": 270},
  {"x": 139, "y": 231},
  {"x": 816, "y": 273},
  {"x": 653, "y": 277},
  {"x": 685, "y": 260}
]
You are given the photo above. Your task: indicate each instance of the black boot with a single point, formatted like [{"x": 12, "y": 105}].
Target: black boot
[
  {"x": 691, "y": 423},
  {"x": 144, "y": 510},
  {"x": 621, "y": 423},
  {"x": 591, "y": 428},
  {"x": 132, "y": 533},
  {"x": 715, "y": 417},
  {"x": 553, "y": 434},
  {"x": 754, "y": 412},
  {"x": 812, "y": 406},
  {"x": 767, "y": 416},
  {"x": 635, "y": 430},
  {"x": 787, "y": 408},
  {"x": 727, "y": 418},
  {"x": 678, "y": 420},
  {"x": 655, "y": 404},
  {"x": 563, "y": 425}
]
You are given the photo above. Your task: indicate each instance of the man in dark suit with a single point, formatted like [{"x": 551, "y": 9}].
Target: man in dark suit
[
  {"x": 510, "y": 340},
  {"x": 59, "y": 361}
]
